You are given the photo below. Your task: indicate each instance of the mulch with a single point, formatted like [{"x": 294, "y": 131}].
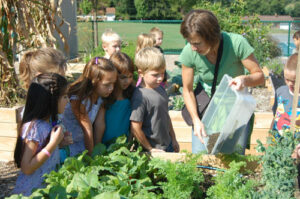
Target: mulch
[{"x": 8, "y": 177}]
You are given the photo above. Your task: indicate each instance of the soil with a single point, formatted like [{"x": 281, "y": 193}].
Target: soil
[{"x": 212, "y": 139}]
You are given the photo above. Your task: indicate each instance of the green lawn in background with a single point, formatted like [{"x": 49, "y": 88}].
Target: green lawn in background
[{"x": 129, "y": 32}]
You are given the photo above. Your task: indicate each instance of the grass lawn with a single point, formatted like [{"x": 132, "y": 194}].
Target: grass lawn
[{"x": 129, "y": 32}]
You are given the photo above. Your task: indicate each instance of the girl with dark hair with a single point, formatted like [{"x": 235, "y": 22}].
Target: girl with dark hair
[
  {"x": 36, "y": 151},
  {"x": 86, "y": 93},
  {"x": 113, "y": 120},
  {"x": 199, "y": 57}
]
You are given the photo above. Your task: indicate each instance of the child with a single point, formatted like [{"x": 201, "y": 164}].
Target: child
[
  {"x": 282, "y": 108},
  {"x": 111, "y": 42},
  {"x": 143, "y": 41},
  {"x": 96, "y": 81},
  {"x": 44, "y": 60},
  {"x": 296, "y": 38},
  {"x": 150, "y": 120},
  {"x": 158, "y": 37},
  {"x": 36, "y": 151},
  {"x": 114, "y": 116}
]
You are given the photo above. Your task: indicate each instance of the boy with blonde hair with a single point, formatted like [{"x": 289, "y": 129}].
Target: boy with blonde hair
[
  {"x": 282, "y": 108},
  {"x": 150, "y": 120},
  {"x": 111, "y": 43}
]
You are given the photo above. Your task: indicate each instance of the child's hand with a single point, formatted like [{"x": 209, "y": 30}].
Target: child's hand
[
  {"x": 57, "y": 135},
  {"x": 67, "y": 140},
  {"x": 175, "y": 146},
  {"x": 296, "y": 153}
]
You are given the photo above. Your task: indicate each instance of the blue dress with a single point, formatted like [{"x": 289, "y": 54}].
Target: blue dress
[
  {"x": 117, "y": 120},
  {"x": 72, "y": 125},
  {"x": 39, "y": 133}
]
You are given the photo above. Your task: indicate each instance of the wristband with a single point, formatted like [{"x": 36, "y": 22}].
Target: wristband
[{"x": 44, "y": 150}]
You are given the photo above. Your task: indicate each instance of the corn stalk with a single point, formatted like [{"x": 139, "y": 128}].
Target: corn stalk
[{"x": 24, "y": 24}]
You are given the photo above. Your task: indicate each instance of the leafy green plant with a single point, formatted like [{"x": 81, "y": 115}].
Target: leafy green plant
[
  {"x": 275, "y": 65},
  {"x": 231, "y": 184},
  {"x": 279, "y": 171},
  {"x": 182, "y": 177},
  {"x": 116, "y": 172},
  {"x": 177, "y": 103}
]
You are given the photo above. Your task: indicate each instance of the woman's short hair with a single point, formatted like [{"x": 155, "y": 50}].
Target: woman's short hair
[{"x": 202, "y": 23}]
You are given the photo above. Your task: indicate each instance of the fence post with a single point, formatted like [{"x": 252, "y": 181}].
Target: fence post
[
  {"x": 295, "y": 98},
  {"x": 289, "y": 39}
]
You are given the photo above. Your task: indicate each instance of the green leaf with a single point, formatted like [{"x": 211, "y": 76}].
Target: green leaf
[
  {"x": 108, "y": 195},
  {"x": 99, "y": 149},
  {"x": 57, "y": 192}
]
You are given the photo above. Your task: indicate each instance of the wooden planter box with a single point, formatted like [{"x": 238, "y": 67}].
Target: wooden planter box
[
  {"x": 10, "y": 120},
  {"x": 184, "y": 133}
]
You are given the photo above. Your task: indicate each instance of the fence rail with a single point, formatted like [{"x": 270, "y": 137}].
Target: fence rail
[{"x": 173, "y": 40}]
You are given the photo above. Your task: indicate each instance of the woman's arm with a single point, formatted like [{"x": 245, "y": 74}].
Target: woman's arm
[
  {"x": 190, "y": 100},
  {"x": 86, "y": 125},
  {"x": 255, "y": 78},
  {"x": 136, "y": 129},
  {"x": 32, "y": 161},
  {"x": 99, "y": 125}
]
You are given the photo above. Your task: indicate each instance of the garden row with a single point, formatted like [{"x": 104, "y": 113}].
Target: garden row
[{"x": 117, "y": 172}]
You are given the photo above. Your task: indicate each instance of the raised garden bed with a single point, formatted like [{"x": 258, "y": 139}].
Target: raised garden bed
[{"x": 9, "y": 124}]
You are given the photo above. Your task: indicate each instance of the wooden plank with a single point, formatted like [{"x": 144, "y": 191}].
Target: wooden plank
[
  {"x": 178, "y": 123},
  {"x": 259, "y": 134},
  {"x": 263, "y": 119},
  {"x": 11, "y": 115},
  {"x": 183, "y": 134},
  {"x": 9, "y": 129},
  {"x": 187, "y": 146},
  {"x": 176, "y": 116},
  {"x": 7, "y": 143},
  {"x": 6, "y": 156}
]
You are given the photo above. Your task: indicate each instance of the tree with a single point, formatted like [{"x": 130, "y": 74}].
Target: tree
[
  {"x": 293, "y": 9},
  {"x": 86, "y": 6},
  {"x": 153, "y": 9},
  {"x": 125, "y": 8}
]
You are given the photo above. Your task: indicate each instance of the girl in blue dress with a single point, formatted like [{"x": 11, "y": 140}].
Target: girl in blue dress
[
  {"x": 36, "y": 151},
  {"x": 113, "y": 120},
  {"x": 86, "y": 93}
]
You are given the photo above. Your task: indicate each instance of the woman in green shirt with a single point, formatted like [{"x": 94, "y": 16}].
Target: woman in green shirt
[{"x": 202, "y": 31}]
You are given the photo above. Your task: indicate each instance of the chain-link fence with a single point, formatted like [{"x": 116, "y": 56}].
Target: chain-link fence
[{"x": 173, "y": 42}]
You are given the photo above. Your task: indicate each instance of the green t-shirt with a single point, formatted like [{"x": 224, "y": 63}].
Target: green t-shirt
[{"x": 235, "y": 49}]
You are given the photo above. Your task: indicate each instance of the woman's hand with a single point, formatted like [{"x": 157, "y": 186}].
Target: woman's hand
[
  {"x": 199, "y": 130},
  {"x": 237, "y": 83}
]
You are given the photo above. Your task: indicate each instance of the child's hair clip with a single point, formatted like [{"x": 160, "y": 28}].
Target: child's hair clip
[{"x": 96, "y": 60}]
